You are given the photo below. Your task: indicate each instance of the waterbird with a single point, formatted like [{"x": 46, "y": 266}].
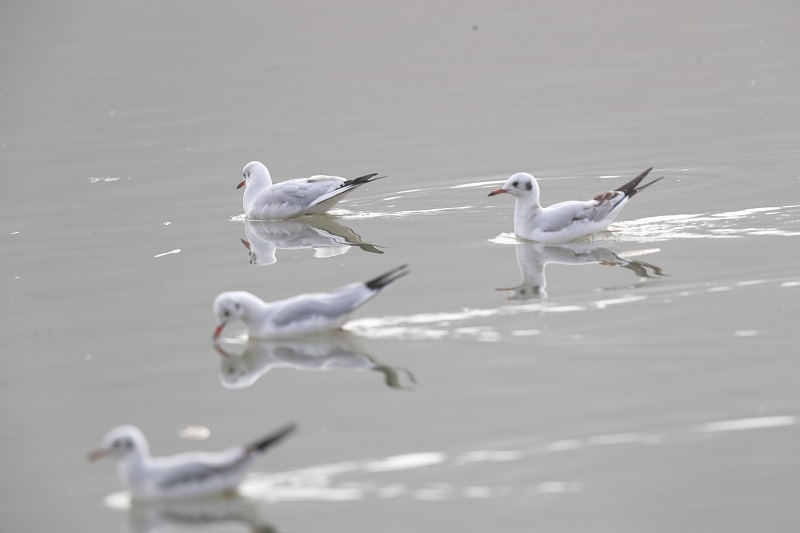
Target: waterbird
[
  {"x": 263, "y": 200},
  {"x": 565, "y": 221},
  {"x": 185, "y": 475},
  {"x": 300, "y": 315}
]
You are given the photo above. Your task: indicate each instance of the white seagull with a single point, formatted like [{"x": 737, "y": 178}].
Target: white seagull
[
  {"x": 293, "y": 198},
  {"x": 565, "y": 221},
  {"x": 185, "y": 475},
  {"x": 300, "y": 315}
]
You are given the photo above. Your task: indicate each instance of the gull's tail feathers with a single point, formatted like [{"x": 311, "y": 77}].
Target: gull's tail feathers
[
  {"x": 631, "y": 188},
  {"x": 261, "y": 445},
  {"x": 383, "y": 280}
]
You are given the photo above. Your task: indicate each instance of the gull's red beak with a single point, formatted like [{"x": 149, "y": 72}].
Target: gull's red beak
[
  {"x": 217, "y": 332},
  {"x": 240, "y": 185},
  {"x": 497, "y": 191},
  {"x": 97, "y": 454}
]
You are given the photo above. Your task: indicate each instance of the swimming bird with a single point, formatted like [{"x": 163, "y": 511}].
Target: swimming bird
[
  {"x": 300, "y": 315},
  {"x": 185, "y": 475},
  {"x": 264, "y": 200},
  {"x": 565, "y": 221}
]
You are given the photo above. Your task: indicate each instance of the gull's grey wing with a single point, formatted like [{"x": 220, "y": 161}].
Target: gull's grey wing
[
  {"x": 201, "y": 469},
  {"x": 559, "y": 216},
  {"x": 303, "y": 192},
  {"x": 329, "y": 305}
]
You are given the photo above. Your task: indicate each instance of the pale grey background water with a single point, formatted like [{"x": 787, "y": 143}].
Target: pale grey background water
[{"x": 597, "y": 408}]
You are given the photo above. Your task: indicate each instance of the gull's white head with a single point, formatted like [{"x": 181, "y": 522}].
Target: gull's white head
[
  {"x": 520, "y": 185},
  {"x": 227, "y": 307},
  {"x": 120, "y": 443},
  {"x": 253, "y": 170}
]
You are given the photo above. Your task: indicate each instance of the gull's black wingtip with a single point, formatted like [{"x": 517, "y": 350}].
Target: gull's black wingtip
[
  {"x": 631, "y": 188},
  {"x": 385, "y": 279},
  {"x": 273, "y": 438},
  {"x": 363, "y": 179}
]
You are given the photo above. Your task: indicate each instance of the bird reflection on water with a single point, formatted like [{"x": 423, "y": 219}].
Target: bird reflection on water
[
  {"x": 146, "y": 517},
  {"x": 327, "y": 237},
  {"x": 332, "y": 351},
  {"x": 533, "y": 257}
]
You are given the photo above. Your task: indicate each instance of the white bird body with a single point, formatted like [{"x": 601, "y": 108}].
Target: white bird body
[
  {"x": 185, "y": 475},
  {"x": 565, "y": 221},
  {"x": 264, "y": 200},
  {"x": 300, "y": 315}
]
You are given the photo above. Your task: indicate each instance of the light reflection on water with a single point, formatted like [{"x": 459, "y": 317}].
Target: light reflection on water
[{"x": 439, "y": 325}]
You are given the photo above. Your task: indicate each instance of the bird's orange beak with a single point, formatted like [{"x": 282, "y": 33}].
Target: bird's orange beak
[
  {"x": 217, "y": 332},
  {"x": 97, "y": 454},
  {"x": 497, "y": 191},
  {"x": 240, "y": 185}
]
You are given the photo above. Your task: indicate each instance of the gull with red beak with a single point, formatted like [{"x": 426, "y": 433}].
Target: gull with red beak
[
  {"x": 186, "y": 475},
  {"x": 565, "y": 221},
  {"x": 305, "y": 314},
  {"x": 264, "y": 200}
]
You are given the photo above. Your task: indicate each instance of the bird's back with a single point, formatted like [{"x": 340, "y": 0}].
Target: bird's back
[
  {"x": 290, "y": 198},
  {"x": 193, "y": 474}
]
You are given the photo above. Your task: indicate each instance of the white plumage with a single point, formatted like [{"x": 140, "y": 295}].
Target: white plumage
[
  {"x": 300, "y": 315},
  {"x": 185, "y": 475},
  {"x": 264, "y": 200},
  {"x": 565, "y": 221}
]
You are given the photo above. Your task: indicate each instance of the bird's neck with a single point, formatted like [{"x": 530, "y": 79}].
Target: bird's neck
[
  {"x": 256, "y": 184},
  {"x": 254, "y": 309},
  {"x": 527, "y": 207},
  {"x": 132, "y": 469}
]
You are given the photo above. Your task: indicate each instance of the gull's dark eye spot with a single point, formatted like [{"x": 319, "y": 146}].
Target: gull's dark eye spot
[
  {"x": 515, "y": 184},
  {"x": 529, "y": 186},
  {"x": 226, "y": 313}
]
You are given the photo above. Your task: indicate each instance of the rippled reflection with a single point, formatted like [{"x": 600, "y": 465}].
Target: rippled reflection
[
  {"x": 197, "y": 514},
  {"x": 327, "y": 237},
  {"x": 533, "y": 257},
  {"x": 333, "y": 351}
]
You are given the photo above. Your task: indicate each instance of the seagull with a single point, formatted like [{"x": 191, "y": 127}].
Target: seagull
[
  {"x": 300, "y": 315},
  {"x": 185, "y": 475},
  {"x": 565, "y": 221},
  {"x": 293, "y": 198}
]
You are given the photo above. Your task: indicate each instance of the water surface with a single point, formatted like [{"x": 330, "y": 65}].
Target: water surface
[{"x": 650, "y": 384}]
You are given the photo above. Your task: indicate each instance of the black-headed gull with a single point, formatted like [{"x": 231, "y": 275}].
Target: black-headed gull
[
  {"x": 300, "y": 315},
  {"x": 293, "y": 198},
  {"x": 184, "y": 475},
  {"x": 565, "y": 221}
]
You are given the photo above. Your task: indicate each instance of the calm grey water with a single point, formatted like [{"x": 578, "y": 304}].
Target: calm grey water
[{"x": 647, "y": 383}]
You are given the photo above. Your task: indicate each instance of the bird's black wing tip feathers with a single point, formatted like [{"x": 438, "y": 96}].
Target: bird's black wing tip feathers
[
  {"x": 362, "y": 179},
  {"x": 630, "y": 188},
  {"x": 646, "y": 185},
  {"x": 273, "y": 438},
  {"x": 389, "y": 277}
]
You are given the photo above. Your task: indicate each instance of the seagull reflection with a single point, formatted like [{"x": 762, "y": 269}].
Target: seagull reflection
[
  {"x": 533, "y": 257},
  {"x": 332, "y": 351},
  {"x": 327, "y": 237},
  {"x": 144, "y": 517}
]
